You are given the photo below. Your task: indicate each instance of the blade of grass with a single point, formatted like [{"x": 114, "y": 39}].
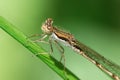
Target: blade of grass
[{"x": 35, "y": 49}]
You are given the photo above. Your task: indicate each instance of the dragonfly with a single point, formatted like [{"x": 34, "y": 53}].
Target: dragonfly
[{"x": 59, "y": 36}]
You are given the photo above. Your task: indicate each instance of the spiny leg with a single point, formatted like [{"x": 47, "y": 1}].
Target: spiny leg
[
  {"x": 35, "y": 35},
  {"x": 42, "y": 39},
  {"x": 43, "y": 36},
  {"x": 61, "y": 49},
  {"x": 51, "y": 48}
]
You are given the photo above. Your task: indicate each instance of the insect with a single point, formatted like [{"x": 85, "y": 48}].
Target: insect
[{"x": 58, "y": 36}]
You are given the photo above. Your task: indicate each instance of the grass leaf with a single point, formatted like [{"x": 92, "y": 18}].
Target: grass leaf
[{"x": 35, "y": 49}]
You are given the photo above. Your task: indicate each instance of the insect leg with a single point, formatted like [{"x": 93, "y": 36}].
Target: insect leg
[
  {"x": 51, "y": 47},
  {"x": 61, "y": 49},
  {"x": 35, "y": 35},
  {"x": 42, "y": 39}
]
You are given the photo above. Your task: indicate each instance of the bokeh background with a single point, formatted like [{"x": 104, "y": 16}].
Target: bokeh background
[{"x": 96, "y": 23}]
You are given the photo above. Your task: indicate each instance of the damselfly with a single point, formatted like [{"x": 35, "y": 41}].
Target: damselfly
[{"x": 58, "y": 36}]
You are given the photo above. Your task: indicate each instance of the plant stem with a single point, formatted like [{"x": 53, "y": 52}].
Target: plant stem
[{"x": 35, "y": 49}]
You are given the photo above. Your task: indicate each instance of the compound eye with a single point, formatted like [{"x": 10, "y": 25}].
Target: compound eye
[{"x": 49, "y": 27}]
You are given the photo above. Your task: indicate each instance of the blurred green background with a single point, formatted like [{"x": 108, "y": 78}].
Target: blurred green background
[{"x": 95, "y": 23}]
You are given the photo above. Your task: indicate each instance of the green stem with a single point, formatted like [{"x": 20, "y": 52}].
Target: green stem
[{"x": 35, "y": 49}]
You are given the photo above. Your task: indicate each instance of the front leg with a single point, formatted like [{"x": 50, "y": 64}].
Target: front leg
[{"x": 42, "y": 39}]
